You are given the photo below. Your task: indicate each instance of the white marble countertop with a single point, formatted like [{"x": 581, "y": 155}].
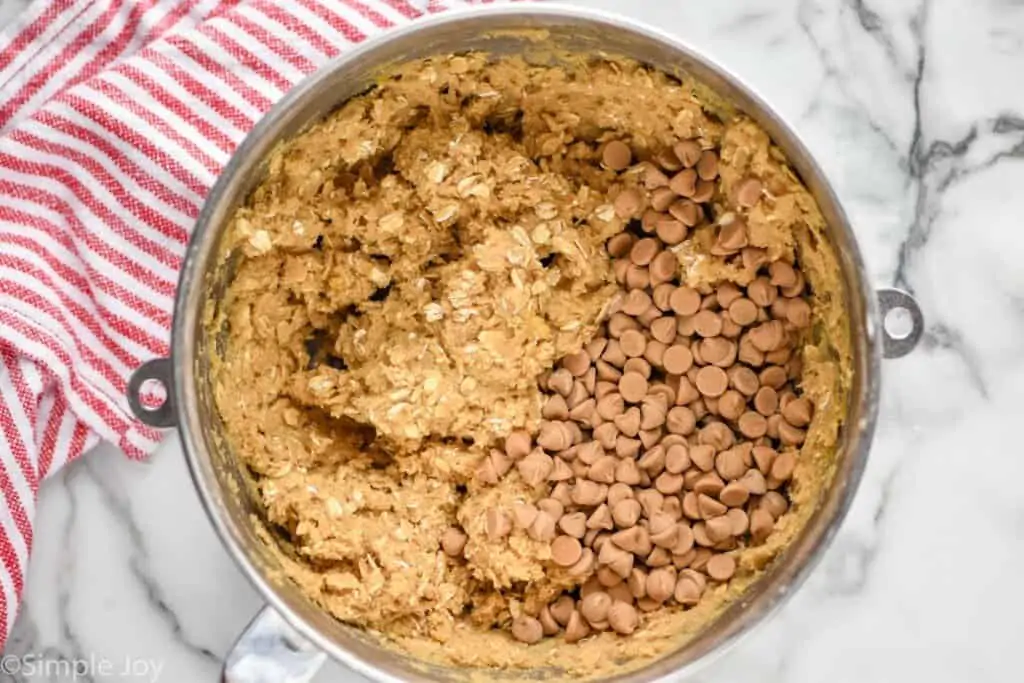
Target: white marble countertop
[{"x": 915, "y": 110}]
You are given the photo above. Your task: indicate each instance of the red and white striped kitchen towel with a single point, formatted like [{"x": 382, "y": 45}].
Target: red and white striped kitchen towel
[{"x": 115, "y": 118}]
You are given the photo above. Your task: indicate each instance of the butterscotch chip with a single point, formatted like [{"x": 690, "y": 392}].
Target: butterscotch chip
[
  {"x": 663, "y": 267},
  {"x": 652, "y": 413},
  {"x": 518, "y": 444},
  {"x": 709, "y": 483},
  {"x": 619, "y": 594},
  {"x": 577, "y": 629},
  {"x": 651, "y": 501},
  {"x": 606, "y": 374},
  {"x": 527, "y": 629},
  {"x": 773, "y": 425},
  {"x": 644, "y": 251},
  {"x": 561, "y": 492},
  {"x": 704, "y": 192},
  {"x": 798, "y": 313},
  {"x": 677, "y": 459},
  {"x": 633, "y": 343},
  {"x": 673, "y": 506},
  {"x": 553, "y": 436},
  {"x": 662, "y": 528},
  {"x": 584, "y": 412},
  {"x": 685, "y": 301},
  {"x": 731, "y": 404},
  {"x": 573, "y": 524},
  {"x": 547, "y": 621},
  {"x": 626, "y": 513},
  {"x": 684, "y": 325},
  {"x": 761, "y": 525},
  {"x": 623, "y": 617},
  {"x": 637, "y": 582},
  {"x": 782, "y": 274},
  {"x": 603, "y": 471},
  {"x": 497, "y": 524},
  {"x": 562, "y": 608},
  {"x": 523, "y": 514},
  {"x": 636, "y": 302},
  {"x": 667, "y": 159},
  {"x": 768, "y": 336},
  {"x": 790, "y": 435},
  {"x": 743, "y": 311},
  {"x": 628, "y": 204},
  {"x": 754, "y": 482},
  {"x": 555, "y": 408},
  {"x": 739, "y": 520},
  {"x": 688, "y": 152},
  {"x": 680, "y": 420},
  {"x": 628, "y": 472},
  {"x": 748, "y": 192},
  {"x": 619, "y": 245},
  {"x": 639, "y": 366},
  {"x": 617, "y": 559},
  {"x": 686, "y": 592},
  {"x": 620, "y": 268},
  {"x": 632, "y": 388},
  {"x": 660, "y": 584},
  {"x": 773, "y": 376},
  {"x": 783, "y": 466},
  {"x": 616, "y": 155},
  {"x": 671, "y": 231},
  {"x": 712, "y": 381},
  {"x": 707, "y": 323},
  {"x": 668, "y": 483},
  {"x": 798, "y": 412},
  {"x": 566, "y": 551},
  {"x": 721, "y": 567},
  {"x": 677, "y": 359},
  {"x": 718, "y": 529},
  {"x": 626, "y": 447},
  {"x": 731, "y": 238},
  {"x": 588, "y": 493},
  {"x": 752, "y": 425},
  {"x": 611, "y": 405},
  {"x": 766, "y": 401},
  {"x": 718, "y": 351},
  {"x": 634, "y": 539},
  {"x": 453, "y": 541},
  {"x": 684, "y": 183},
  {"x": 703, "y": 456},
  {"x": 762, "y": 292},
  {"x": 661, "y": 198},
  {"x": 748, "y": 353},
  {"x": 707, "y": 165},
  {"x": 775, "y": 503},
  {"x": 729, "y": 464},
  {"x": 543, "y": 527},
  {"x": 709, "y": 507},
  {"x": 718, "y": 435},
  {"x": 734, "y": 494},
  {"x": 686, "y": 211}
]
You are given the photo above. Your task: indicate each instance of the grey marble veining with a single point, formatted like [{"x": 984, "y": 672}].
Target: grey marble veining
[{"x": 914, "y": 109}]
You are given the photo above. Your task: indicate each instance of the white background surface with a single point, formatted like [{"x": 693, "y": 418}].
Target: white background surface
[{"x": 916, "y": 111}]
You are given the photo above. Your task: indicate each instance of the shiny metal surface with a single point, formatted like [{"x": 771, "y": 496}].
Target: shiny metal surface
[
  {"x": 895, "y": 300},
  {"x": 503, "y": 29},
  {"x": 271, "y": 651},
  {"x": 158, "y": 370}
]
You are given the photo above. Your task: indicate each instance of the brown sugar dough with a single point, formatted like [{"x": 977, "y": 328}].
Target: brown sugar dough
[{"x": 407, "y": 270}]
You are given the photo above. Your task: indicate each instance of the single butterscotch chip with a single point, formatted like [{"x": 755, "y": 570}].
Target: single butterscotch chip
[
  {"x": 740, "y": 521},
  {"x": 573, "y": 524},
  {"x": 660, "y": 584},
  {"x": 626, "y": 513},
  {"x": 743, "y": 311},
  {"x": 762, "y": 292},
  {"x": 628, "y": 204},
  {"x": 663, "y": 268},
  {"x": 637, "y": 277},
  {"x": 523, "y": 514},
  {"x": 677, "y": 359},
  {"x": 721, "y": 567},
  {"x": 680, "y": 420},
  {"x": 667, "y": 159},
  {"x": 628, "y": 472},
  {"x": 685, "y": 301},
  {"x": 566, "y": 551},
  {"x": 632, "y": 388},
  {"x": 644, "y": 251},
  {"x": 707, "y": 165},
  {"x": 497, "y": 524},
  {"x": 562, "y": 608},
  {"x": 617, "y": 156},
  {"x": 684, "y": 183},
  {"x": 555, "y": 408},
  {"x": 768, "y": 336},
  {"x": 633, "y": 343},
  {"x": 782, "y": 274},
  {"x": 527, "y": 630},
  {"x": 518, "y": 444},
  {"x": 619, "y": 245},
  {"x": 707, "y": 323},
  {"x": 547, "y": 621},
  {"x": 661, "y": 198},
  {"x": 790, "y": 435},
  {"x": 704, "y": 192},
  {"x": 688, "y": 152},
  {"x": 677, "y": 459},
  {"x": 588, "y": 493},
  {"x": 761, "y": 525},
  {"x": 775, "y": 503},
  {"x": 585, "y": 565},
  {"x": 453, "y": 541},
  {"x": 735, "y": 494},
  {"x": 718, "y": 351},
  {"x": 766, "y": 401},
  {"x": 752, "y": 425},
  {"x": 709, "y": 507},
  {"x": 783, "y": 466},
  {"x": 754, "y": 482},
  {"x": 577, "y": 629},
  {"x": 687, "y": 591},
  {"x": 623, "y": 617},
  {"x": 798, "y": 412},
  {"x": 773, "y": 376},
  {"x": 636, "y": 302},
  {"x": 639, "y": 366},
  {"x": 798, "y": 313},
  {"x": 709, "y": 483},
  {"x": 543, "y": 527},
  {"x": 731, "y": 404},
  {"x": 634, "y": 539},
  {"x": 748, "y": 192},
  {"x": 712, "y": 381}
]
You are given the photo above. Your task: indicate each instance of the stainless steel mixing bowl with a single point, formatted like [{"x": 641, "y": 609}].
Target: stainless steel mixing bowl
[{"x": 289, "y": 640}]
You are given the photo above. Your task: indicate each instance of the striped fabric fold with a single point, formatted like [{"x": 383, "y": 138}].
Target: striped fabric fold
[{"x": 115, "y": 118}]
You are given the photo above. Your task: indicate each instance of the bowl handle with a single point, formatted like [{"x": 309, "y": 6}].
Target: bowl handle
[
  {"x": 271, "y": 651},
  {"x": 898, "y": 343},
  {"x": 161, "y": 371}
]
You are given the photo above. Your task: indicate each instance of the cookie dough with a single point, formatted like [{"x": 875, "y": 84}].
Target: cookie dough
[{"x": 407, "y": 272}]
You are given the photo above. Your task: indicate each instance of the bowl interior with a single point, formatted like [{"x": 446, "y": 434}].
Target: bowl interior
[{"x": 540, "y": 33}]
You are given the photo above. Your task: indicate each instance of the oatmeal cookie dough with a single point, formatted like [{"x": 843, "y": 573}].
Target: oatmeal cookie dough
[{"x": 406, "y": 273}]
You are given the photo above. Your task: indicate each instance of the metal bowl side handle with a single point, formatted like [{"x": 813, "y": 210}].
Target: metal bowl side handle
[
  {"x": 159, "y": 370},
  {"x": 271, "y": 651},
  {"x": 894, "y": 300}
]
